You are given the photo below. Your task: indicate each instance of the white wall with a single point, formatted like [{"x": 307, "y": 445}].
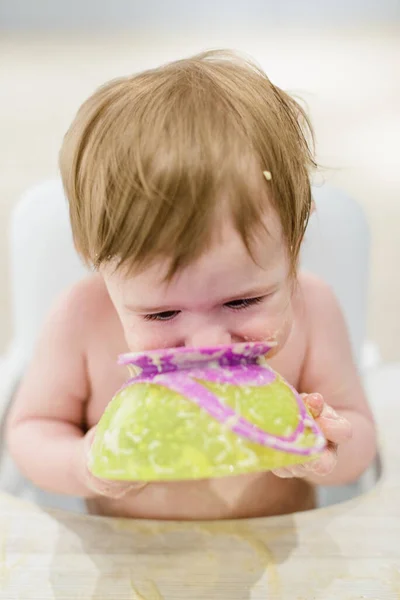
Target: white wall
[{"x": 62, "y": 14}]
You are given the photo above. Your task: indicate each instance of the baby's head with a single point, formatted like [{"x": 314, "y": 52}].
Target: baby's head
[{"x": 189, "y": 191}]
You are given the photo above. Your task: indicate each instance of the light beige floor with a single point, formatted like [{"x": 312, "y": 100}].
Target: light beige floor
[{"x": 349, "y": 79}]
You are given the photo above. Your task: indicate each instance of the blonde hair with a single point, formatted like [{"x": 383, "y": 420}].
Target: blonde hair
[{"x": 148, "y": 158}]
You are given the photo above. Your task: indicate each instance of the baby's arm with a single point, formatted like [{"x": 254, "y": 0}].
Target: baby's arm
[
  {"x": 44, "y": 429},
  {"x": 330, "y": 370}
]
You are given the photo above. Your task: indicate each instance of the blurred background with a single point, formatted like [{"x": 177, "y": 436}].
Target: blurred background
[{"x": 341, "y": 56}]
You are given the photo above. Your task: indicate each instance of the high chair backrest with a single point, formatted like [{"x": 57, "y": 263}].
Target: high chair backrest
[{"x": 44, "y": 261}]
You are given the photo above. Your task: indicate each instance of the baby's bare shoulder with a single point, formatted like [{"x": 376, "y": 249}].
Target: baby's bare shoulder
[
  {"x": 317, "y": 300},
  {"x": 313, "y": 290},
  {"x": 80, "y": 306}
]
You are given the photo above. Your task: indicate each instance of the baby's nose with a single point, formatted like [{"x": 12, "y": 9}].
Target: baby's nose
[{"x": 208, "y": 336}]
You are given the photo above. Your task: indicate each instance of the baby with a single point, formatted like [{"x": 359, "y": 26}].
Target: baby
[{"x": 189, "y": 195}]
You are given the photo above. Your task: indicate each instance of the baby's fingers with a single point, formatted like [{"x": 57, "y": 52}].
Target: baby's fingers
[
  {"x": 283, "y": 473},
  {"x": 335, "y": 428},
  {"x": 290, "y": 472},
  {"x": 113, "y": 489},
  {"x": 325, "y": 463},
  {"x": 315, "y": 404},
  {"x": 104, "y": 487},
  {"x": 321, "y": 466}
]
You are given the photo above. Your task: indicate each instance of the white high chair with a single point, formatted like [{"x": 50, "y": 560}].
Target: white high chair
[{"x": 44, "y": 262}]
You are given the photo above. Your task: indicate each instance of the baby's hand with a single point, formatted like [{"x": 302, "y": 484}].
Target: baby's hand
[
  {"x": 104, "y": 487},
  {"x": 336, "y": 430}
]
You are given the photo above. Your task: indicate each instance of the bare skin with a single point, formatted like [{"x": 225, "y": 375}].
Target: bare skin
[{"x": 73, "y": 376}]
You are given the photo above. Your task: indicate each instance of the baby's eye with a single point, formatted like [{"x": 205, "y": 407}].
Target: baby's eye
[
  {"x": 167, "y": 315},
  {"x": 244, "y": 303}
]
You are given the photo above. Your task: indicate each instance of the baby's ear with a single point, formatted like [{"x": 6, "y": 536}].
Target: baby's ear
[{"x": 313, "y": 209}]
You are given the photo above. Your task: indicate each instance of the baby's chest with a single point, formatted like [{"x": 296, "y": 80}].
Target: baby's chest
[{"x": 289, "y": 362}]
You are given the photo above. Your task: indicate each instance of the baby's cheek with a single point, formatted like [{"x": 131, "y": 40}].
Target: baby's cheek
[
  {"x": 143, "y": 337},
  {"x": 275, "y": 327},
  {"x": 283, "y": 332}
]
